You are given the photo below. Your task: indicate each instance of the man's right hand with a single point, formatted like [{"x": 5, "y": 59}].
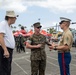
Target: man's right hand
[{"x": 6, "y": 54}]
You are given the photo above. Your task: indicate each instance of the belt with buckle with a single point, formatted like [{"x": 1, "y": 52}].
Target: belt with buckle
[{"x": 63, "y": 51}]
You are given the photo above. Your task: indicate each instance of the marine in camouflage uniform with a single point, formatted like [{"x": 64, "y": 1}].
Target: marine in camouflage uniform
[
  {"x": 17, "y": 43},
  {"x": 20, "y": 43},
  {"x": 38, "y": 55}
]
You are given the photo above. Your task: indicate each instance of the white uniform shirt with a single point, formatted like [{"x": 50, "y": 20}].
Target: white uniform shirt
[{"x": 8, "y": 35}]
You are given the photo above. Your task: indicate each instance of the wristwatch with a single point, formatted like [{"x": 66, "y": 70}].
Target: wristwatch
[{"x": 55, "y": 48}]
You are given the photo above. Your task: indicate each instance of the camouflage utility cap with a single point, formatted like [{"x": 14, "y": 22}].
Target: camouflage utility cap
[{"x": 37, "y": 24}]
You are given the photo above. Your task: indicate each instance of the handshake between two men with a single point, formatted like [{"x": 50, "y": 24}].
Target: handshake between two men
[{"x": 52, "y": 46}]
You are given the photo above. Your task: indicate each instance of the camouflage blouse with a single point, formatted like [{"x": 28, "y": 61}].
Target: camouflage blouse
[{"x": 38, "y": 53}]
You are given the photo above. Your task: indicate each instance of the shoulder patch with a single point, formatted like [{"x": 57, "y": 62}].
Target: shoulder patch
[{"x": 67, "y": 38}]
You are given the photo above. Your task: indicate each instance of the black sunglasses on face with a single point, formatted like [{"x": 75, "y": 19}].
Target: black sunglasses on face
[
  {"x": 61, "y": 22},
  {"x": 38, "y": 27}
]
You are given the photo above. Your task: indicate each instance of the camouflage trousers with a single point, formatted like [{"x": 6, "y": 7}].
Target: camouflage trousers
[{"x": 38, "y": 67}]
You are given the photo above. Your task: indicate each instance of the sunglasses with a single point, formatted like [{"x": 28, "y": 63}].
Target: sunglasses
[
  {"x": 61, "y": 22},
  {"x": 38, "y": 27}
]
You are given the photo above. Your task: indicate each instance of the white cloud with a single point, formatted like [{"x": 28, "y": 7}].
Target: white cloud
[
  {"x": 16, "y": 5},
  {"x": 53, "y": 5},
  {"x": 60, "y": 5}
]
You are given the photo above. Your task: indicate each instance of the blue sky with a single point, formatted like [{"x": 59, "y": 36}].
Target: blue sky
[{"x": 49, "y": 11}]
